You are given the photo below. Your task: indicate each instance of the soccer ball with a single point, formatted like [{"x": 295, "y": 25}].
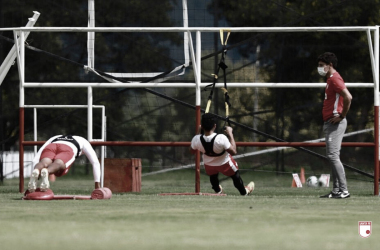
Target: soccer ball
[
  {"x": 312, "y": 181},
  {"x": 322, "y": 181}
]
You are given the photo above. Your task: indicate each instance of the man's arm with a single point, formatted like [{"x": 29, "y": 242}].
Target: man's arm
[
  {"x": 232, "y": 149},
  {"x": 93, "y": 158},
  {"x": 193, "y": 151},
  {"x": 347, "y": 97}
]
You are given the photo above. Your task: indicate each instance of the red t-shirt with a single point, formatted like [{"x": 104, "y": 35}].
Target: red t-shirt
[{"x": 333, "y": 103}]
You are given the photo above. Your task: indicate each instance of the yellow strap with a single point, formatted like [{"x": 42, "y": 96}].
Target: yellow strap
[
  {"x": 222, "y": 34},
  {"x": 228, "y": 35},
  {"x": 208, "y": 106}
]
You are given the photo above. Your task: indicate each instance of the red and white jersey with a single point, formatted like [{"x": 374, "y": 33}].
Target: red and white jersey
[
  {"x": 333, "y": 103},
  {"x": 221, "y": 143},
  {"x": 85, "y": 148}
]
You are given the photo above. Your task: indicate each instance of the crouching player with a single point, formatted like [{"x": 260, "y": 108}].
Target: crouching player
[
  {"x": 217, "y": 151},
  {"x": 56, "y": 157}
]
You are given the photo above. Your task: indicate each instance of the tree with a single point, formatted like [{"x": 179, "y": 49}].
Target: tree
[
  {"x": 115, "y": 52},
  {"x": 291, "y": 57}
]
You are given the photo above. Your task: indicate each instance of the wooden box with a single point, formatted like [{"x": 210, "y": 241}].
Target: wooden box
[{"x": 122, "y": 175}]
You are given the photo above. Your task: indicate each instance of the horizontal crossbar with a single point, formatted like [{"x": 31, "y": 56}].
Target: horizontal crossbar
[
  {"x": 187, "y": 144},
  {"x": 187, "y": 85},
  {"x": 192, "y": 29}
]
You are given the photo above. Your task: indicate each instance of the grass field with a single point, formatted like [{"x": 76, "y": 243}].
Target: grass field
[{"x": 276, "y": 216}]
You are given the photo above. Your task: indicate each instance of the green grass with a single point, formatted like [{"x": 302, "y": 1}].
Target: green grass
[{"x": 275, "y": 217}]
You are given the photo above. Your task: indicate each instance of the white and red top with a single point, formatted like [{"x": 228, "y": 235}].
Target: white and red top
[
  {"x": 221, "y": 143},
  {"x": 333, "y": 103},
  {"x": 85, "y": 148}
]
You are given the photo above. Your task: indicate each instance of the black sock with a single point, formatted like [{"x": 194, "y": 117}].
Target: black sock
[
  {"x": 238, "y": 183},
  {"x": 215, "y": 183}
]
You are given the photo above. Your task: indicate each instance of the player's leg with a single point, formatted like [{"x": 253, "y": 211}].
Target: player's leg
[
  {"x": 231, "y": 169},
  {"x": 332, "y": 153},
  {"x": 334, "y": 178},
  {"x": 333, "y": 145},
  {"x": 239, "y": 184},
  {"x": 334, "y": 136},
  {"x": 46, "y": 158},
  {"x": 44, "y": 162},
  {"x": 326, "y": 130},
  {"x": 64, "y": 157},
  {"x": 214, "y": 180},
  {"x": 57, "y": 166},
  {"x": 213, "y": 172}
]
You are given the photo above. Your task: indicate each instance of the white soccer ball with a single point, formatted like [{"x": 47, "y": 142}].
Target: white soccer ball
[
  {"x": 312, "y": 181},
  {"x": 322, "y": 181}
]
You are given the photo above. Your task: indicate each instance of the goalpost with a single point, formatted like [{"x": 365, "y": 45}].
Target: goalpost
[{"x": 195, "y": 55}]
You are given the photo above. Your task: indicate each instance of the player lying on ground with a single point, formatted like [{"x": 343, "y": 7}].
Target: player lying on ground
[
  {"x": 56, "y": 157},
  {"x": 217, "y": 151}
]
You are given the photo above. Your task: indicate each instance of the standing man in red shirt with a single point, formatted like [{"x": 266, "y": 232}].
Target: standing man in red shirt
[{"x": 336, "y": 104}]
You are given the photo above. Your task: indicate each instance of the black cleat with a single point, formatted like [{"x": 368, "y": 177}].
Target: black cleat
[{"x": 341, "y": 195}]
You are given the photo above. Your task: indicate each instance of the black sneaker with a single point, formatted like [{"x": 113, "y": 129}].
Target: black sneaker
[
  {"x": 341, "y": 195},
  {"x": 329, "y": 195}
]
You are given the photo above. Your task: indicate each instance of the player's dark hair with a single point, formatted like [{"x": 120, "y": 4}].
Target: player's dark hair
[
  {"x": 208, "y": 121},
  {"x": 328, "y": 58}
]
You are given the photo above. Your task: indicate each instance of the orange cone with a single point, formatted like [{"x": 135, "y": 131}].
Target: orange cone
[
  {"x": 302, "y": 176},
  {"x": 294, "y": 183}
]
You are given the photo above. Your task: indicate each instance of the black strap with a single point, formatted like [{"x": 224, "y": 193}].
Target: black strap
[
  {"x": 222, "y": 66},
  {"x": 226, "y": 96},
  {"x": 68, "y": 138},
  {"x": 209, "y": 147}
]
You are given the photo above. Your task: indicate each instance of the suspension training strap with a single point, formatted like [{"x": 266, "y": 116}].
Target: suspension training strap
[
  {"x": 220, "y": 65},
  {"x": 227, "y": 103}
]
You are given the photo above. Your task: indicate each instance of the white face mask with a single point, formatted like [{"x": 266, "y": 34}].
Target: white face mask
[{"x": 321, "y": 71}]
